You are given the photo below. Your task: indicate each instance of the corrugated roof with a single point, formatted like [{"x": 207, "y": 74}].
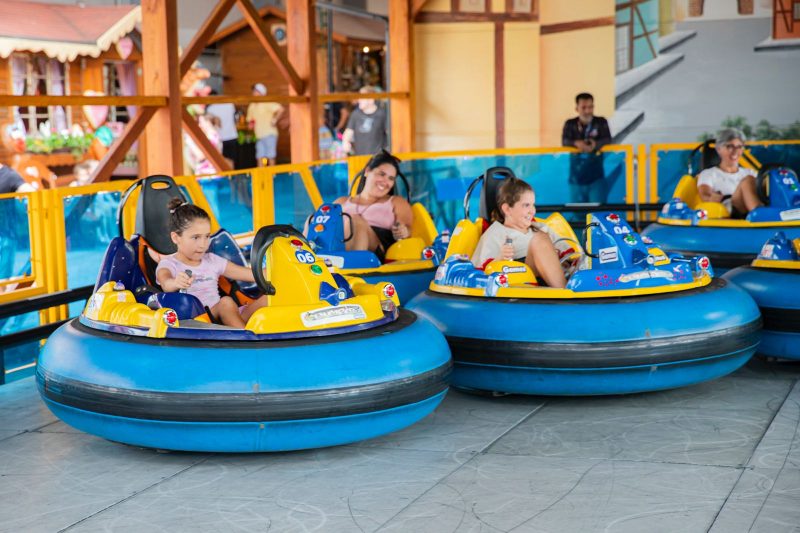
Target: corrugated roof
[{"x": 63, "y": 31}]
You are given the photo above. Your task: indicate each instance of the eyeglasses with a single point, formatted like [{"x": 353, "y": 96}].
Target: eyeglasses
[{"x": 734, "y": 147}]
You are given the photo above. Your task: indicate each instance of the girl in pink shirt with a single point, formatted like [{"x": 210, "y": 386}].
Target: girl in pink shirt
[
  {"x": 196, "y": 271},
  {"x": 379, "y": 217}
]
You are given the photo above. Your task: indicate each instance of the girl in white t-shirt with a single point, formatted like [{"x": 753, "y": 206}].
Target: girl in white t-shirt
[
  {"x": 728, "y": 183},
  {"x": 514, "y": 235}
]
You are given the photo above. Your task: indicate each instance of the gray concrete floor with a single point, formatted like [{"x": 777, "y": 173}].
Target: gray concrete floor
[
  {"x": 722, "y": 456},
  {"x": 721, "y": 75}
]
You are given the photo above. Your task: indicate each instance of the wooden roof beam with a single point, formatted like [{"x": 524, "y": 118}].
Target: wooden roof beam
[
  {"x": 301, "y": 49},
  {"x": 198, "y": 135},
  {"x": 416, "y": 7},
  {"x": 270, "y": 45},
  {"x": 203, "y": 35},
  {"x": 120, "y": 148},
  {"x": 401, "y": 75}
]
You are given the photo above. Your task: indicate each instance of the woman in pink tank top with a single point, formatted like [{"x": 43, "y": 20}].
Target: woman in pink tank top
[{"x": 379, "y": 217}]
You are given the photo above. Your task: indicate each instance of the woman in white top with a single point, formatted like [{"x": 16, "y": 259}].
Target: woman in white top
[
  {"x": 514, "y": 235},
  {"x": 728, "y": 183}
]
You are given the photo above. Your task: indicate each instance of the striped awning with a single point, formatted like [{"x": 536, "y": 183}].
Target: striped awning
[{"x": 63, "y": 32}]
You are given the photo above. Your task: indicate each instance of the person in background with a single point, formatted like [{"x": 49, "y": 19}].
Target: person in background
[
  {"x": 366, "y": 127},
  {"x": 728, "y": 183},
  {"x": 226, "y": 112},
  {"x": 263, "y": 119},
  {"x": 336, "y": 115},
  {"x": 11, "y": 181},
  {"x": 588, "y": 134}
]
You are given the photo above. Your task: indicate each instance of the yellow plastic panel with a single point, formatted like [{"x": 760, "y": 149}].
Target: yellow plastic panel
[
  {"x": 686, "y": 190},
  {"x": 714, "y": 209},
  {"x": 422, "y": 225},
  {"x": 296, "y": 272},
  {"x": 315, "y": 316},
  {"x": 465, "y": 238},
  {"x": 404, "y": 249},
  {"x": 516, "y": 272}
]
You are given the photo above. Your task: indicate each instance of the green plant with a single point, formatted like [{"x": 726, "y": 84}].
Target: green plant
[
  {"x": 763, "y": 131},
  {"x": 76, "y": 144}
]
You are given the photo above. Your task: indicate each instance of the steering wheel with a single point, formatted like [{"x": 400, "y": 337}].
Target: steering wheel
[
  {"x": 576, "y": 254},
  {"x": 261, "y": 243},
  {"x": 585, "y": 250},
  {"x": 762, "y": 181}
]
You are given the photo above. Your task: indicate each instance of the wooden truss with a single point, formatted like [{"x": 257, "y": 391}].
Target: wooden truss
[{"x": 162, "y": 117}]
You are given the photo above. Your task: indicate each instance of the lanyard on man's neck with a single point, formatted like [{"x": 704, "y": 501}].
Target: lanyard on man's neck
[{"x": 586, "y": 128}]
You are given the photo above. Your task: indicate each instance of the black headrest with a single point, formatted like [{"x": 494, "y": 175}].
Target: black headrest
[
  {"x": 708, "y": 156},
  {"x": 493, "y": 178},
  {"x": 152, "y": 213}
]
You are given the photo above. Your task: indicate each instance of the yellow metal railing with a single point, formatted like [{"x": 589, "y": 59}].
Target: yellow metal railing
[
  {"x": 655, "y": 149},
  {"x": 46, "y": 214}
]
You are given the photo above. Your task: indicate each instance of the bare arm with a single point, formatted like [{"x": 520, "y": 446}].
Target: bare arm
[
  {"x": 402, "y": 211},
  {"x": 347, "y": 140},
  {"x": 238, "y": 272},
  {"x": 170, "y": 283},
  {"x": 707, "y": 194}
]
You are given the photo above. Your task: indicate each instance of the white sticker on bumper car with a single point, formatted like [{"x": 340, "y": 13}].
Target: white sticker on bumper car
[
  {"x": 790, "y": 214},
  {"x": 646, "y": 274},
  {"x": 332, "y": 315},
  {"x": 608, "y": 255},
  {"x": 333, "y": 260}
]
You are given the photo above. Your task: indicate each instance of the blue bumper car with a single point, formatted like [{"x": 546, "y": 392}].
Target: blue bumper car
[
  {"x": 690, "y": 226},
  {"x": 151, "y": 369},
  {"x": 773, "y": 280},
  {"x": 632, "y": 317},
  {"x": 409, "y": 264}
]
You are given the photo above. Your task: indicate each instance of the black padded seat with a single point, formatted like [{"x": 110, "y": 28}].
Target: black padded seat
[
  {"x": 152, "y": 213},
  {"x": 493, "y": 178}
]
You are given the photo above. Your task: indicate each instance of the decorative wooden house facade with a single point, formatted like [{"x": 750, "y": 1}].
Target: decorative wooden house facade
[
  {"x": 786, "y": 19},
  {"x": 65, "y": 50}
]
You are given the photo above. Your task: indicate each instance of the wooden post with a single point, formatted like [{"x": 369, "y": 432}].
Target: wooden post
[
  {"x": 302, "y": 55},
  {"x": 160, "y": 72},
  {"x": 401, "y": 75}
]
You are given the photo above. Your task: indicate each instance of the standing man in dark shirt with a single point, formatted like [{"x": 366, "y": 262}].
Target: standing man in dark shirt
[
  {"x": 366, "y": 127},
  {"x": 588, "y": 134}
]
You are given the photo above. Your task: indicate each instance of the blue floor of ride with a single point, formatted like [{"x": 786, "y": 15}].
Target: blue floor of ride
[{"x": 722, "y": 456}]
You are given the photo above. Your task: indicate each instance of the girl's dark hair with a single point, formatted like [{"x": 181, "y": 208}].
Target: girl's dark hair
[
  {"x": 182, "y": 214},
  {"x": 509, "y": 193},
  {"x": 382, "y": 157}
]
